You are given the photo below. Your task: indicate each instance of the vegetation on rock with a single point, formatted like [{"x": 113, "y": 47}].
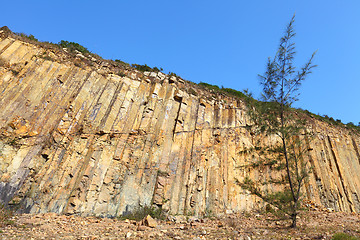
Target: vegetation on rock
[
  {"x": 343, "y": 236},
  {"x": 5, "y": 216},
  {"x": 141, "y": 212},
  {"x": 146, "y": 68},
  {"x": 73, "y": 46}
]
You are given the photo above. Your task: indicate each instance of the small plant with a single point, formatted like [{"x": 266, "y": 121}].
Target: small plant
[
  {"x": 5, "y": 216},
  {"x": 208, "y": 213},
  {"x": 14, "y": 142},
  {"x": 162, "y": 173},
  {"x": 343, "y": 236},
  {"x": 141, "y": 212}
]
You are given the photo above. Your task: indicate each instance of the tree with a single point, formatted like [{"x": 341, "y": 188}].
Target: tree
[{"x": 275, "y": 117}]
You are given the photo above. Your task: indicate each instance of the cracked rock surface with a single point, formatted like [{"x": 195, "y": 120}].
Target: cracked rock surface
[{"x": 81, "y": 139}]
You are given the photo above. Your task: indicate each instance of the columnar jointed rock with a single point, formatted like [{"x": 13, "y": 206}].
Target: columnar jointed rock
[{"x": 83, "y": 140}]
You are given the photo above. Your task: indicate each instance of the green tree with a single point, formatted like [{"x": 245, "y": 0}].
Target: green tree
[{"x": 275, "y": 117}]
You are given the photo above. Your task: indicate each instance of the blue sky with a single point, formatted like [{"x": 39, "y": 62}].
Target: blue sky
[{"x": 225, "y": 43}]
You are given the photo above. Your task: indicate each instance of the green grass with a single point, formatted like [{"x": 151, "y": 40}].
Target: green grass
[{"x": 344, "y": 236}]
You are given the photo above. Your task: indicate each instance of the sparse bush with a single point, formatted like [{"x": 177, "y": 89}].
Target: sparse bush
[
  {"x": 46, "y": 57},
  {"x": 30, "y": 37},
  {"x": 193, "y": 92},
  {"x": 209, "y": 213},
  {"x": 351, "y": 125},
  {"x": 121, "y": 74},
  {"x": 122, "y": 63},
  {"x": 234, "y": 92},
  {"x": 246, "y": 96},
  {"x": 209, "y": 86},
  {"x": 141, "y": 212},
  {"x": 171, "y": 74},
  {"x": 72, "y": 46},
  {"x": 5, "y": 216},
  {"x": 146, "y": 68}
]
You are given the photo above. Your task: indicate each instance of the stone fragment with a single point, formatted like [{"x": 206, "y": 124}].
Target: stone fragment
[
  {"x": 228, "y": 211},
  {"x": 193, "y": 219},
  {"x": 141, "y": 228},
  {"x": 149, "y": 221},
  {"x": 128, "y": 235},
  {"x": 178, "y": 219},
  {"x": 161, "y": 76}
]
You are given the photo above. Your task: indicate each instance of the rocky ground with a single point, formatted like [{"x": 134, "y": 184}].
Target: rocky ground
[{"x": 311, "y": 225}]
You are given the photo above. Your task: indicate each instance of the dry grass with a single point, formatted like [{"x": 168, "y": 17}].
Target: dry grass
[{"x": 5, "y": 216}]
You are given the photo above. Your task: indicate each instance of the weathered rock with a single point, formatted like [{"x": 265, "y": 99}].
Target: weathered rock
[
  {"x": 141, "y": 228},
  {"x": 128, "y": 234},
  {"x": 80, "y": 140},
  {"x": 149, "y": 221}
]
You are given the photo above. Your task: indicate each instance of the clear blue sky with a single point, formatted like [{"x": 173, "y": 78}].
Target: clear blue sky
[{"x": 220, "y": 42}]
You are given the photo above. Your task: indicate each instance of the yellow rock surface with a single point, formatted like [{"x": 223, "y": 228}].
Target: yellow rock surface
[{"x": 84, "y": 140}]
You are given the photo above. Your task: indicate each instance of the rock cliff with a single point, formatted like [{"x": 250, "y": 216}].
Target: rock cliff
[{"x": 78, "y": 137}]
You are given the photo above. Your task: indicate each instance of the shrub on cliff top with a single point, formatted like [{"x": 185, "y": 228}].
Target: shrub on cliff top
[
  {"x": 30, "y": 37},
  {"x": 72, "y": 46},
  {"x": 146, "y": 68}
]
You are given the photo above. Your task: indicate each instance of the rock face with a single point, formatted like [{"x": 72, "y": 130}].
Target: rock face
[{"x": 81, "y": 139}]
